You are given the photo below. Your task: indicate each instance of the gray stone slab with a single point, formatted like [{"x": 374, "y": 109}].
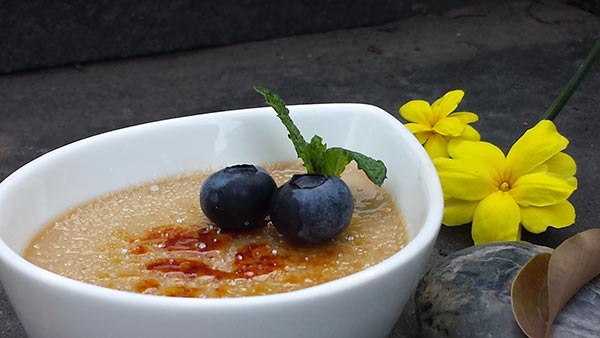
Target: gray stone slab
[
  {"x": 511, "y": 59},
  {"x": 39, "y": 33},
  {"x": 10, "y": 327}
]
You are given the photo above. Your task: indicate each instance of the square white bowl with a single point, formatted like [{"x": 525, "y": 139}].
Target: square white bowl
[{"x": 365, "y": 304}]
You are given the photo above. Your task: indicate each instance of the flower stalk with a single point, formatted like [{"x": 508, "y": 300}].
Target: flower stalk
[{"x": 573, "y": 83}]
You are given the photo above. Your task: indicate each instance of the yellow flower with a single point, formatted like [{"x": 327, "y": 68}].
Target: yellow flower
[
  {"x": 529, "y": 186},
  {"x": 434, "y": 125}
]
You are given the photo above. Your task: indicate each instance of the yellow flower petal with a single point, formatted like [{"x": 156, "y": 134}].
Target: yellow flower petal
[
  {"x": 537, "y": 219},
  {"x": 496, "y": 218},
  {"x": 449, "y": 126},
  {"x": 484, "y": 153},
  {"x": 470, "y": 134},
  {"x": 423, "y": 137},
  {"x": 542, "y": 189},
  {"x": 562, "y": 164},
  {"x": 465, "y": 117},
  {"x": 458, "y": 212},
  {"x": 447, "y": 103},
  {"x": 436, "y": 146},
  {"x": 417, "y": 127},
  {"x": 535, "y": 147},
  {"x": 542, "y": 168},
  {"x": 463, "y": 179},
  {"x": 417, "y": 111}
]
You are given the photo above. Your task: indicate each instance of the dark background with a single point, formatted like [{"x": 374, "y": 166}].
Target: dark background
[{"x": 152, "y": 61}]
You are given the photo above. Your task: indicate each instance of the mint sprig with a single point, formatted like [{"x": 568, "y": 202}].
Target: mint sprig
[{"x": 316, "y": 157}]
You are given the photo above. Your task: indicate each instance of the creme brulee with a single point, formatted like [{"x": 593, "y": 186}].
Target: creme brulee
[{"x": 154, "y": 239}]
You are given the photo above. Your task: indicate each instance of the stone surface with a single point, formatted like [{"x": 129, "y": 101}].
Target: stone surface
[
  {"x": 9, "y": 324},
  {"x": 39, "y": 33},
  {"x": 511, "y": 58},
  {"x": 579, "y": 318},
  {"x": 468, "y": 295}
]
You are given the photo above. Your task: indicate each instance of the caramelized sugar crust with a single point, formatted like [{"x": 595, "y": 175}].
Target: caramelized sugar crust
[{"x": 154, "y": 239}]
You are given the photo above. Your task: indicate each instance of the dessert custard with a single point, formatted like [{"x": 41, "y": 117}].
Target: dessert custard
[{"x": 154, "y": 239}]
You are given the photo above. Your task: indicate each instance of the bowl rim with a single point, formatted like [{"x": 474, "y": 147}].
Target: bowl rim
[{"x": 425, "y": 236}]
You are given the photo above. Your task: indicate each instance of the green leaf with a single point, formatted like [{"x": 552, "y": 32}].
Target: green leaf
[
  {"x": 335, "y": 161},
  {"x": 315, "y": 152},
  {"x": 375, "y": 169},
  {"x": 284, "y": 115},
  {"x": 316, "y": 157}
]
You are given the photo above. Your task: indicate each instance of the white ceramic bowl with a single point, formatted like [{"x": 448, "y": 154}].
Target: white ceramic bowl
[{"x": 365, "y": 304}]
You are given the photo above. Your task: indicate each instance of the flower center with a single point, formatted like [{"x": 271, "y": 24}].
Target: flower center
[{"x": 504, "y": 186}]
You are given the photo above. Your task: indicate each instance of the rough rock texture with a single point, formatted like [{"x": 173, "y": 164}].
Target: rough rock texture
[
  {"x": 37, "y": 33},
  {"x": 10, "y": 327},
  {"x": 468, "y": 295}
]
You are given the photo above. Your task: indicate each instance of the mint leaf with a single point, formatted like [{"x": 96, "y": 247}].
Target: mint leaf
[
  {"x": 316, "y": 157},
  {"x": 335, "y": 161},
  {"x": 315, "y": 150},
  {"x": 284, "y": 115},
  {"x": 375, "y": 169}
]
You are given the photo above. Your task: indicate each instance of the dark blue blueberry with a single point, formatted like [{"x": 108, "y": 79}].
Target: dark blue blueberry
[
  {"x": 312, "y": 208},
  {"x": 237, "y": 198}
]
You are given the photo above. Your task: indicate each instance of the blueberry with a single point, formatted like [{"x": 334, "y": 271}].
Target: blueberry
[
  {"x": 237, "y": 198},
  {"x": 312, "y": 208}
]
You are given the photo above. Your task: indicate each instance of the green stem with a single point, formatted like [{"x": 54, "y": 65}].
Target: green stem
[{"x": 570, "y": 88}]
